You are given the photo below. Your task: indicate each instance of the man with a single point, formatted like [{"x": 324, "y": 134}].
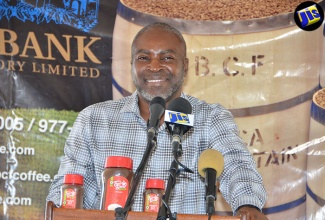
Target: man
[{"x": 159, "y": 66}]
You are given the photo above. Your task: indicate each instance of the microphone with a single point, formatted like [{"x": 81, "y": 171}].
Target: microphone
[
  {"x": 156, "y": 108},
  {"x": 210, "y": 166},
  {"x": 179, "y": 120}
]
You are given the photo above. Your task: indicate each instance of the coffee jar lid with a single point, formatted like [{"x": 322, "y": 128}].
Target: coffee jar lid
[
  {"x": 155, "y": 184},
  {"x": 73, "y": 179},
  {"x": 119, "y": 161}
]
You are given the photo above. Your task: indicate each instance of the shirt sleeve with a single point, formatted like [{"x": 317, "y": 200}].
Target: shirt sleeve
[
  {"x": 77, "y": 160},
  {"x": 240, "y": 182}
]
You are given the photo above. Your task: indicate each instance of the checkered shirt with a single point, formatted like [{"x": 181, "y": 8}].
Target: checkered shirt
[{"x": 115, "y": 128}]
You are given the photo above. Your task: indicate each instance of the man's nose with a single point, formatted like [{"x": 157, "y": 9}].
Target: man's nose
[{"x": 155, "y": 65}]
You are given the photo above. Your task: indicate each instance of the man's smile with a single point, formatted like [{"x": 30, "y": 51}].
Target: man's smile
[{"x": 155, "y": 80}]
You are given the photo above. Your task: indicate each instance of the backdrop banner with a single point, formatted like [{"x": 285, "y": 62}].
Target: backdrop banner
[
  {"x": 55, "y": 59},
  {"x": 261, "y": 69}
]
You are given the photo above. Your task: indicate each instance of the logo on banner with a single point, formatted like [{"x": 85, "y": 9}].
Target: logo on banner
[
  {"x": 82, "y": 15},
  {"x": 309, "y": 16}
]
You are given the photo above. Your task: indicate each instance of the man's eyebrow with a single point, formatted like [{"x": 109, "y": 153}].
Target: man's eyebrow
[
  {"x": 142, "y": 51},
  {"x": 161, "y": 52},
  {"x": 168, "y": 51}
]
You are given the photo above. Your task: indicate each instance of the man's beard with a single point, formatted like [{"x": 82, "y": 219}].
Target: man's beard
[{"x": 166, "y": 95}]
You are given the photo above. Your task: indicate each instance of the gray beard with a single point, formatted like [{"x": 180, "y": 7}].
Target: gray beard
[{"x": 166, "y": 95}]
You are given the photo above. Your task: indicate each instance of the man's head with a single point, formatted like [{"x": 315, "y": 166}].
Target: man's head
[{"x": 159, "y": 62}]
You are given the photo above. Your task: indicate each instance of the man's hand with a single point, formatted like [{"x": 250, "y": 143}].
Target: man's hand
[{"x": 249, "y": 213}]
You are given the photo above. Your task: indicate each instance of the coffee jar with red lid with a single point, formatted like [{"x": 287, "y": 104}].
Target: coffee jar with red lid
[
  {"x": 72, "y": 191},
  {"x": 116, "y": 181},
  {"x": 152, "y": 196}
]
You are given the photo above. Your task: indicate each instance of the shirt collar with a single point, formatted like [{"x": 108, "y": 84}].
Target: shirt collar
[
  {"x": 184, "y": 96},
  {"x": 131, "y": 105}
]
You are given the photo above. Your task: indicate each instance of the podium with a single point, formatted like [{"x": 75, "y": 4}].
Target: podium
[{"x": 54, "y": 213}]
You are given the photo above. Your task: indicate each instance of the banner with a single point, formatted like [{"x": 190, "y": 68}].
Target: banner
[{"x": 55, "y": 59}]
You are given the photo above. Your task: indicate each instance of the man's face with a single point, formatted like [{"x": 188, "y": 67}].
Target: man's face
[{"x": 159, "y": 65}]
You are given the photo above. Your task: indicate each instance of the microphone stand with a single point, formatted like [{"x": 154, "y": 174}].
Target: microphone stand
[
  {"x": 173, "y": 171},
  {"x": 162, "y": 213},
  {"x": 122, "y": 213}
]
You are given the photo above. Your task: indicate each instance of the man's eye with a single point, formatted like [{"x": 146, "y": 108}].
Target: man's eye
[
  {"x": 142, "y": 58},
  {"x": 168, "y": 58}
]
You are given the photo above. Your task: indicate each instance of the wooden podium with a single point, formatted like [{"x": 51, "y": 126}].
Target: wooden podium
[{"x": 54, "y": 213}]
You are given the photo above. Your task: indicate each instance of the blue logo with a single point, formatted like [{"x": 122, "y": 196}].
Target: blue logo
[
  {"x": 179, "y": 118},
  {"x": 80, "y": 14},
  {"x": 309, "y": 16}
]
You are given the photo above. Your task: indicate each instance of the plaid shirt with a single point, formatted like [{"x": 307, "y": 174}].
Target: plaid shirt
[{"x": 115, "y": 128}]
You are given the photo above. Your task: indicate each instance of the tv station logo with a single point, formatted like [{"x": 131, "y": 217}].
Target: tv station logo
[
  {"x": 179, "y": 118},
  {"x": 309, "y": 16}
]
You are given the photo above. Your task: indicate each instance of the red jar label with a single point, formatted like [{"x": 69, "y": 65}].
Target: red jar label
[
  {"x": 116, "y": 193},
  {"x": 69, "y": 199},
  {"x": 152, "y": 202}
]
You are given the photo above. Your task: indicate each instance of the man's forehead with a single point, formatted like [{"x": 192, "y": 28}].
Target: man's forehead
[
  {"x": 158, "y": 33},
  {"x": 158, "y": 39}
]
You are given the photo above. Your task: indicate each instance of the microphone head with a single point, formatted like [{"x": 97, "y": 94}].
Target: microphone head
[
  {"x": 210, "y": 158},
  {"x": 178, "y": 116},
  {"x": 156, "y": 102},
  {"x": 157, "y": 108},
  {"x": 180, "y": 105}
]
